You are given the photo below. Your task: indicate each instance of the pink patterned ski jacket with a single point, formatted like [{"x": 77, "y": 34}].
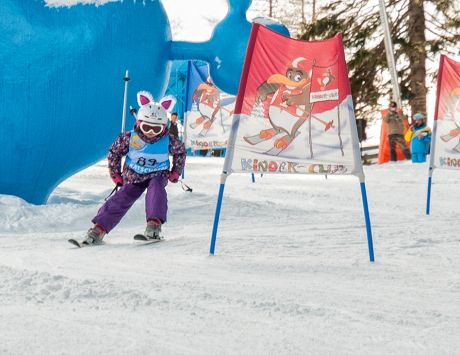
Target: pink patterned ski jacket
[{"x": 120, "y": 148}]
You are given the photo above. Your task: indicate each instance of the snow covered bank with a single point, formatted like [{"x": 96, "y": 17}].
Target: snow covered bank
[{"x": 290, "y": 276}]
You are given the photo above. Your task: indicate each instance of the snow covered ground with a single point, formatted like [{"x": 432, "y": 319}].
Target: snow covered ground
[{"x": 290, "y": 276}]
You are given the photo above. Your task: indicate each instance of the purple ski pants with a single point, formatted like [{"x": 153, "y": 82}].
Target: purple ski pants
[{"x": 156, "y": 202}]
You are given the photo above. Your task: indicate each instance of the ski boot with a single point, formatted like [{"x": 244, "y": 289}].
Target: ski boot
[
  {"x": 153, "y": 229},
  {"x": 94, "y": 235},
  {"x": 152, "y": 232}
]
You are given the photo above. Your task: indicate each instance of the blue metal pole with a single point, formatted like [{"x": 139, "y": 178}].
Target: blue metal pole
[
  {"x": 428, "y": 195},
  {"x": 368, "y": 222},
  {"x": 183, "y": 173},
  {"x": 253, "y": 177},
  {"x": 216, "y": 219}
]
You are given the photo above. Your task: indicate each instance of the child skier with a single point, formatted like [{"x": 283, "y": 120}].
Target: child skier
[
  {"x": 420, "y": 136},
  {"x": 147, "y": 166}
]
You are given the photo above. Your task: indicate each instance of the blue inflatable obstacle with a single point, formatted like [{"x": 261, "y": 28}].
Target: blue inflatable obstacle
[{"x": 61, "y": 87}]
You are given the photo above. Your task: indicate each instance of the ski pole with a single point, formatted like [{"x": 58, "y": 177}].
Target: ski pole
[
  {"x": 185, "y": 187},
  {"x": 125, "y": 98},
  {"x": 133, "y": 112},
  {"x": 123, "y": 122},
  {"x": 114, "y": 190}
]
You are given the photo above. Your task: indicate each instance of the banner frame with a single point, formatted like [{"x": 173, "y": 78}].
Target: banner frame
[
  {"x": 435, "y": 128},
  {"x": 231, "y": 147}
]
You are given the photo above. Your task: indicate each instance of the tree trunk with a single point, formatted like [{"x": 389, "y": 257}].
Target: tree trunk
[
  {"x": 302, "y": 6},
  {"x": 313, "y": 11},
  {"x": 417, "y": 56}
]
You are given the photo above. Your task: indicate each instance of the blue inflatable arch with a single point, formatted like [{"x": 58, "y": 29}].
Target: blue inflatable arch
[{"x": 61, "y": 87}]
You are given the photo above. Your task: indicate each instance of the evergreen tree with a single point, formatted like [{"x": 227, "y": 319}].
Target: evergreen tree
[{"x": 419, "y": 30}]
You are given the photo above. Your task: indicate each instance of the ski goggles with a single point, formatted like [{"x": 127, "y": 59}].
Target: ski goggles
[{"x": 149, "y": 128}]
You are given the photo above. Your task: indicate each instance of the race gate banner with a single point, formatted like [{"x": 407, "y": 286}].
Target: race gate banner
[
  {"x": 294, "y": 111},
  {"x": 208, "y": 111},
  {"x": 446, "y": 132}
]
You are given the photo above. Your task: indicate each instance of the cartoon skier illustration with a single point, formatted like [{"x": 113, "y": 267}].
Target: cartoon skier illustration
[
  {"x": 209, "y": 105},
  {"x": 453, "y": 113},
  {"x": 289, "y": 105}
]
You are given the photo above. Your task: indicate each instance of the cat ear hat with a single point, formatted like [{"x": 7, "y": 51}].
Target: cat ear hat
[{"x": 152, "y": 116}]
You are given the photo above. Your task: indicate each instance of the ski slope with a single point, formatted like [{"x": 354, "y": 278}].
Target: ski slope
[{"x": 290, "y": 276}]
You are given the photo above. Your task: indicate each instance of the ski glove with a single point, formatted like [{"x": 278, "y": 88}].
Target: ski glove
[
  {"x": 117, "y": 179},
  {"x": 173, "y": 176}
]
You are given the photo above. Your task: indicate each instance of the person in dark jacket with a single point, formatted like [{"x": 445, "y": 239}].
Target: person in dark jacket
[
  {"x": 175, "y": 127},
  {"x": 395, "y": 131}
]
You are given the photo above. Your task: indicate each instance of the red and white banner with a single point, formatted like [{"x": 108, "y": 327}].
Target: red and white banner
[
  {"x": 445, "y": 152},
  {"x": 294, "y": 110},
  {"x": 208, "y": 111}
]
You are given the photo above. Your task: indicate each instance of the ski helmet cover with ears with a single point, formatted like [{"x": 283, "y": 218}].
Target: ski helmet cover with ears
[{"x": 152, "y": 116}]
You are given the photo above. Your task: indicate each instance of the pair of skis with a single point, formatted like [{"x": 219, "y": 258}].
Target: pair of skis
[{"x": 137, "y": 237}]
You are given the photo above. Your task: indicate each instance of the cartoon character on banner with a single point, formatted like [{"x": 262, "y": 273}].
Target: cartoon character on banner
[
  {"x": 207, "y": 98},
  {"x": 286, "y": 103},
  {"x": 453, "y": 114}
]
